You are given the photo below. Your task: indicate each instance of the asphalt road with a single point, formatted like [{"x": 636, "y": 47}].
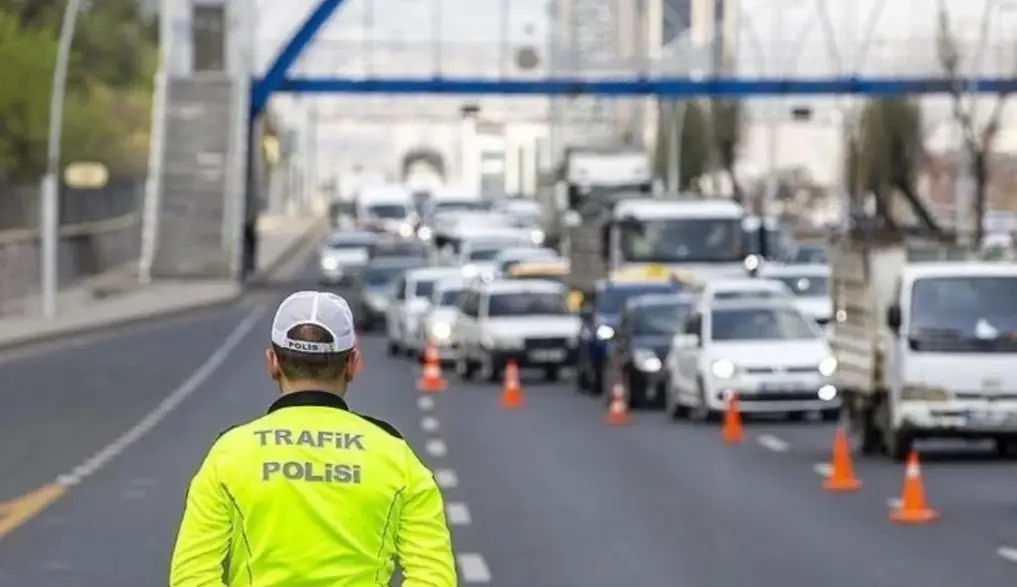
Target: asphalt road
[{"x": 547, "y": 496}]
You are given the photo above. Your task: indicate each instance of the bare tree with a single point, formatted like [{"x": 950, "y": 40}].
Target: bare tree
[{"x": 977, "y": 136}]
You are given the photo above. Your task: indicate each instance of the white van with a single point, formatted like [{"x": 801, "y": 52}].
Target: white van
[{"x": 386, "y": 209}]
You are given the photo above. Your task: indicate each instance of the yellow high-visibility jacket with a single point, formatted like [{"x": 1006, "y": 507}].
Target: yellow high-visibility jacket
[{"x": 312, "y": 494}]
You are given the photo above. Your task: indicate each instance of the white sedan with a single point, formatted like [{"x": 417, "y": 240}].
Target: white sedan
[{"x": 766, "y": 351}]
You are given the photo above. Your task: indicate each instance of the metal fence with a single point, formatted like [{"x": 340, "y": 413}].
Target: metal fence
[{"x": 100, "y": 230}]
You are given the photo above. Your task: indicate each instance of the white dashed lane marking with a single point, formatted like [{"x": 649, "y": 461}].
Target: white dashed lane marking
[
  {"x": 170, "y": 403},
  {"x": 458, "y": 513},
  {"x": 446, "y": 478},
  {"x": 771, "y": 442},
  {"x": 1007, "y": 552},
  {"x": 436, "y": 448},
  {"x": 425, "y": 403},
  {"x": 822, "y": 469},
  {"x": 473, "y": 568},
  {"x": 429, "y": 424}
]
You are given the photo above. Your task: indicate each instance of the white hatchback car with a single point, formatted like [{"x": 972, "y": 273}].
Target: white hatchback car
[
  {"x": 411, "y": 298},
  {"x": 524, "y": 321},
  {"x": 766, "y": 351}
]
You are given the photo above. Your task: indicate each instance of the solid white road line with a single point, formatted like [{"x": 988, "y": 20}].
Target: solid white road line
[
  {"x": 429, "y": 424},
  {"x": 458, "y": 513},
  {"x": 167, "y": 405},
  {"x": 822, "y": 469},
  {"x": 436, "y": 448},
  {"x": 473, "y": 568},
  {"x": 1007, "y": 552},
  {"x": 425, "y": 403},
  {"x": 446, "y": 478},
  {"x": 771, "y": 442}
]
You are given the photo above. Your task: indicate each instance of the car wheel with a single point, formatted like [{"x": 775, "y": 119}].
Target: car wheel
[
  {"x": 551, "y": 373},
  {"x": 464, "y": 368},
  {"x": 674, "y": 410},
  {"x": 597, "y": 386},
  {"x": 702, "y": 412},
  {"x": 393, "y": 348},
  {"x": 582, "y": 381},
  {"x": 488, "y": 370}
]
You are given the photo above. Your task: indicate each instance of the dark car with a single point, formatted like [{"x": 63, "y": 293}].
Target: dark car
[
  {"x": 372, "y": 289},
  {"x": 643, "y": 338},
  {"x": 599, "y": 316},
  {"x": 809, "y": 254}
]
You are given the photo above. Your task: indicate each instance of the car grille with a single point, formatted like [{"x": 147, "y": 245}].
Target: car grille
[
  {"x": 536, "y": 344},
  {"x": 778, "y": 396},
  {"x": 822, "y": 321}
]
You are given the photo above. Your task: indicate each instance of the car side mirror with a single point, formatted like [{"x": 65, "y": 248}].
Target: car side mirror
[
  {"x": 686, "y": 341},
  {"x": 893, "y": 318}
]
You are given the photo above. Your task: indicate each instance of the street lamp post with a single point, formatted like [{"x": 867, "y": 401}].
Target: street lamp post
[{"x": 50, "y": 195}]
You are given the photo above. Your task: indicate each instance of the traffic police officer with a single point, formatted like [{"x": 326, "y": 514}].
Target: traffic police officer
[{"x": 312, "y": 493}]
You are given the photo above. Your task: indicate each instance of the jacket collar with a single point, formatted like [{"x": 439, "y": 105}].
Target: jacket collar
[{"x": 309, "y": 398}]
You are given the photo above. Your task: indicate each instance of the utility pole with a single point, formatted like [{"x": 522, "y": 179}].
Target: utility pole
[{"x": 50, "y": 193}]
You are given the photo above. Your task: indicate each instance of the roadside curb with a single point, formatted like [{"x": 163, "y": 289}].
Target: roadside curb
[{"x": 198, "y": 306}]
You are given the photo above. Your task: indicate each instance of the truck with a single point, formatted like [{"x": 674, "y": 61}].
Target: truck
[{"x": 923, "y": 349}]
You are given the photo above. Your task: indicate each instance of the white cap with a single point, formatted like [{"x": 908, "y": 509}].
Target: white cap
[{"x": 323, "y": 309}]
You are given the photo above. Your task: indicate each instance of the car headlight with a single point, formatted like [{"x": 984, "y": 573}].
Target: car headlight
[
  {"x": 329, "y": 263},
  {"x": 537, "y": 236},
  {"x": 424, "y": 233},
  {"x": 828, "y": 366},
  {"x": 605, "y": 332},
  {"x": 405, "y": 230},
  {"x": 441, "y": 331},
  {"x": 723, "y": 369},
  {"x": 646, "y": 360}
]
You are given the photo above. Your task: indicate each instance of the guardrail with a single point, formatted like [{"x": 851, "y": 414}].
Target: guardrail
[{"x": 100, "y": 230}]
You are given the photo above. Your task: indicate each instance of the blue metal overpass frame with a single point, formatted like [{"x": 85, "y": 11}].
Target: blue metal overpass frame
[{"x": 277, "y": 79}]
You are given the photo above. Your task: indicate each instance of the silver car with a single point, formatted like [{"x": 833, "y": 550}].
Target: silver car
[{"x": 343, "y": 255}]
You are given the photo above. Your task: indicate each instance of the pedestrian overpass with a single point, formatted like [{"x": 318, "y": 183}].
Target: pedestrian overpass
[{"x": 570, "y": 79}]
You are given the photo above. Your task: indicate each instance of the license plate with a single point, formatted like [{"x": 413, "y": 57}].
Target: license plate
[
  {"x": 781, "y": 386},
  {"x": 547, "y": 356}
]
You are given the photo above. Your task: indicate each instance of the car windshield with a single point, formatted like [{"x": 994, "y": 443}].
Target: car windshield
[
  {"x": 382, "y": 276},
  {"x": 400, "y": 250},
  {"x": 748, "y": 294},
  {"x": 539, "y": 277},
  {"x": 388, "y": 211},
  {"x": 964, "y": 314},
  {"x": 526, "y": 304},
  {"x": 523, "y": 219},
  {"x": 683, "y": 240},
  {"x": 461, "y": 205},
  {"x": 809, "y": 255},
  {"x": 659, "y": 319},
  {"x": 483, "y": 254},
  {"x": 746, "y": 324},
  {"x": 449, "y": 297},
  {"x": 338, "y": 242},
  {"x": 806, "y": 286},
  {"x": 611, "y": 300},
  {"x": 778, "y": 243},
  {"x": 423, "y": 288}
]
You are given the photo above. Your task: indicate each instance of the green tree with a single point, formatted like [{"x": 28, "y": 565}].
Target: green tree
[
  {"x": 25, "y": 81},
  {"x": 694, "y": 142},
  {"x": 884, "y": 155},
  {"x": 108, "y": 99},
  {"x": 726, "y": 123}
]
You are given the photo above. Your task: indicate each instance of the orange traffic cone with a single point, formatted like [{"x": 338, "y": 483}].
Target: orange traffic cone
[
  {"x": 842, "y": 471},
  {"x": 618, "y": 408},
  {"x": 512, "y": 397},
  {"x": 912, "y": 508},
  {"x": 732, "y": 432},
  {"x": 431, "y": 379}
]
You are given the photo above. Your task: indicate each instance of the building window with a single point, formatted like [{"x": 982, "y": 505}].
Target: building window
[{"x": 209, "y": 38}]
